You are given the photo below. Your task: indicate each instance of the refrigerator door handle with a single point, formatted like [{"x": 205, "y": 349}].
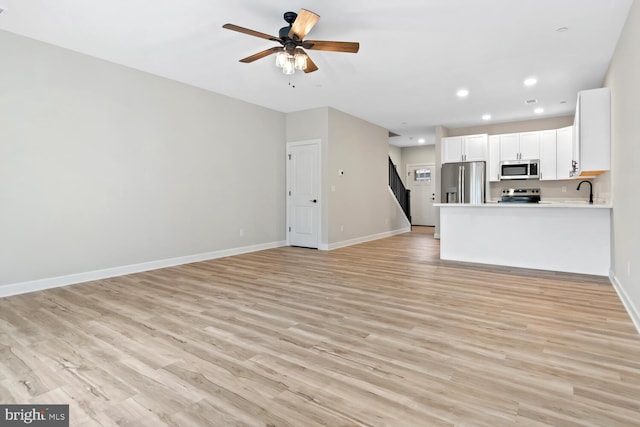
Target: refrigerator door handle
[{"x": 461, "y": 184}]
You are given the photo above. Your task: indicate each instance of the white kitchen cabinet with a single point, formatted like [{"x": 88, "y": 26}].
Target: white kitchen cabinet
[
  {"x": 509, "y": 146},
  {"x": 467, "y": 148},
  {"x": 520, "y": 146},
  {"x": 547, "y": 151},
  {"x": 475, "y": 148},
  {"x": 452, "y": 149},
  {"x": 494, "y": 158},
  {"x": 529, "y": 145},
  {"x": 591, "y": 127},
  {"x": 564, "y": 145}
]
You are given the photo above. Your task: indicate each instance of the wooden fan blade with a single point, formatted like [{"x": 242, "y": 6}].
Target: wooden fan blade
[
  {"x": 349, "y": 47},
  {"x": 303, "y": 24},
  {"x": 251, "y": 32},
  {"x": 311, "y": 66},
  {"x": 259, "y": 55}
]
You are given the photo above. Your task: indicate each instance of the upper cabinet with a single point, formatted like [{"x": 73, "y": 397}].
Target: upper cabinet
[
  {"x": 467, "y": 148},
  {"x": 494, "y": 158},
  {"x": 591, "y": 133},
  {"x": 553, "y": 149},
  {"x": 564, "y": 152},
  {"x": 547, "y": 153},
  {"x": 530, "y": 145},
  {"x": 520, "y": 146},
  {"x": 452, "y": 149},
  {"x": 509, "y": 146}
]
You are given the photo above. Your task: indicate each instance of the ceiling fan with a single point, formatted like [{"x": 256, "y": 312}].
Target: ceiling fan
[{"x": 290, "y": 56}]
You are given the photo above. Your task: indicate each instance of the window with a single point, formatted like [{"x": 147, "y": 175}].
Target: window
[{"x": 422, "y": 175}]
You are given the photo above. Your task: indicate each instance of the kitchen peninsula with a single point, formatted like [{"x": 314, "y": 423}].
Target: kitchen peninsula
[{"x": 568, "y": 237}]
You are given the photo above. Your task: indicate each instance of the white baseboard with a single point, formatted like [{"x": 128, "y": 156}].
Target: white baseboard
[
  {"x": 633, "y": 311},
  {"x": 72, "y": 279},
  {"x": 363, "y": 239}
]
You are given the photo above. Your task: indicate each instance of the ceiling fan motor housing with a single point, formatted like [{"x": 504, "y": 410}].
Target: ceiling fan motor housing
[
  {"x": 288, "y": 43},
  {"x": 290, "y": 17}
]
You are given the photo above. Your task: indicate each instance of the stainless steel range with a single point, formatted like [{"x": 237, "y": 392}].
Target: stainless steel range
[{"x": 520, "y": 195}]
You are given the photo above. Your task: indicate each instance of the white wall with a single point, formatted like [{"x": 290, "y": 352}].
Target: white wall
[
  {"x": 102, "y": 166},
  {"x": 623, "y": 80}
]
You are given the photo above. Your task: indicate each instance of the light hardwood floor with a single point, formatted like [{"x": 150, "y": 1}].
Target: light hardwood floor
[{"x": 382, "y": 333}]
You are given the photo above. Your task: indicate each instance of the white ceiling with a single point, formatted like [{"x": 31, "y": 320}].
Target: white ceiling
[{"x": 414, "y": 54}]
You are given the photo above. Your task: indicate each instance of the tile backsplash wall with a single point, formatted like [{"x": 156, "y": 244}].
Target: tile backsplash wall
[{"x": 554, "y": 190}]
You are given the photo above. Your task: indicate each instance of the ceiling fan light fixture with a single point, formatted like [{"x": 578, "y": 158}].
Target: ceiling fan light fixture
[
  {"x": 281, "y": 58},
  {"x": 300, "y": 60},
  {"x": 289, "y": 65}
]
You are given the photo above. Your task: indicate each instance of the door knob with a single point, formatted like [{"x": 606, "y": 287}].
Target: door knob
[{"x": 314, "y": 201}]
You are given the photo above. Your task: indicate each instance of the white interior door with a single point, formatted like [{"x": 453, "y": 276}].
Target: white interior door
[
  {"x": 303, "y": 194},
  {"x": 421, "y": 180}
]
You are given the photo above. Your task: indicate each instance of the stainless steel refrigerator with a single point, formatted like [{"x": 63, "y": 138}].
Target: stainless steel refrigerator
[{"x": 463, "y": 182}]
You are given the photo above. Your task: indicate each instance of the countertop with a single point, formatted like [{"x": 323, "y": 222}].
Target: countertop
[{"x": 540, "y": 205}]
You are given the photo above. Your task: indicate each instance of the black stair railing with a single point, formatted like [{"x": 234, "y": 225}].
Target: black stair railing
[{"x": 401, "y": 193}]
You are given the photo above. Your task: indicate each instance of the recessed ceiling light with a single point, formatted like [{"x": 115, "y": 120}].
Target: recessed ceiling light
[
  {"x": 486, "y": 117},
  {"x": 421, "y": 141},
  {"x": 539, "y": 110},
  {"x": 531, "y": 81},
  {"x": 1, "y": 10},
  {"x": 462, "y": 93},
  {"x": 562, "y": 29},
  {"x": 531, "y": 101}
]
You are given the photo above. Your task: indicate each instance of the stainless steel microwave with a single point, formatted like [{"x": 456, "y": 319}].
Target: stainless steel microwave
[{"x": 520, "y": 169}]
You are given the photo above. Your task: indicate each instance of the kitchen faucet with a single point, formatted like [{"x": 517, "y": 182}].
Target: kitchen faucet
[{"x": 590, "y": 190}]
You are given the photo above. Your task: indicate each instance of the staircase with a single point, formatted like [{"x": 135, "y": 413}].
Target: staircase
[{"x": 401, "y": 193}]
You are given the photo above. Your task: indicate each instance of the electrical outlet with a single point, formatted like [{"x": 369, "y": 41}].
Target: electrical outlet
[
  {"x": 341, "y": 228},
  {"x": 386, "y": 221},
  {"x": 333, "y": 188},
  {"x": 241, "y": 232},
  {"x": 564, "y": 189},
  {"x": 628, "y": 268}
]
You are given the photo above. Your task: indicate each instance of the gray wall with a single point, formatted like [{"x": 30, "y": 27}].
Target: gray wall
[
  {"x": 102, "y": 166},
  {"x": 310, "y": 125},
  {"x": 361, "y": 206},
  {"x": 395, "y": 153},
  {"x": 513, "y": 127},
  {"x": 416, "y": 155},
  {"x": 623, "y": 80}
]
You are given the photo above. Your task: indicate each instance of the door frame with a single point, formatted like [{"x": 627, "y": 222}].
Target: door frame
[
  {"x": 434, "y": 179},
  {"x": 320, "y": 204}
]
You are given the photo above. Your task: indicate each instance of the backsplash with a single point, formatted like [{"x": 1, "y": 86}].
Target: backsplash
[{"x": 564, "y": 190}]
